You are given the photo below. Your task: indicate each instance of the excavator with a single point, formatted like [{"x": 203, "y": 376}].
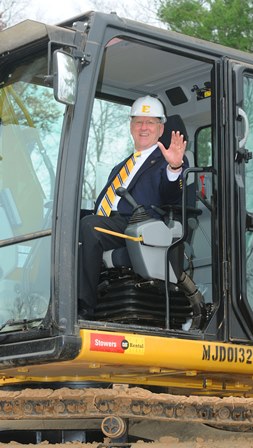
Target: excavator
[{"x": 152, "y": 364}]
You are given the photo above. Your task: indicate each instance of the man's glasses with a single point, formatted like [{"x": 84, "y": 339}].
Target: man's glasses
[{"x": 139, "y": 123}]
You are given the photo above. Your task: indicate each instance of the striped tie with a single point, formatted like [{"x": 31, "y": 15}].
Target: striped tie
[{"x": 109, "y": 197}]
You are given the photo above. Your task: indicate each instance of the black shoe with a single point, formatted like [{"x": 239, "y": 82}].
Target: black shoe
[
  {"x": 187, "y": 285},
  {"x": 84, "y": 312}
]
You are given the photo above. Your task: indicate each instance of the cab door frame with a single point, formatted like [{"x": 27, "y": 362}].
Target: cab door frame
[{"x": 240, "y": 315}]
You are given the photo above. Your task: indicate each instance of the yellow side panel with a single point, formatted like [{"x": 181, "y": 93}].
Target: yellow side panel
[{"x": 163, "y": 352}]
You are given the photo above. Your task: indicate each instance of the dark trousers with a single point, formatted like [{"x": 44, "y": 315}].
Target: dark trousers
[{"x": 93, "y": 244}]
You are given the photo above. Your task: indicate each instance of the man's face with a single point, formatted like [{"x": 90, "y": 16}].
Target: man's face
[{"x": 145, "y": 131}]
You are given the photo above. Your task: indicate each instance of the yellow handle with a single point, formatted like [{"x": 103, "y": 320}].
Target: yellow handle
[{"x": 120, "y": 235}]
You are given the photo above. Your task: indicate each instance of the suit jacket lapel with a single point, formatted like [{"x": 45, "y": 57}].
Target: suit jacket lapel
[{"x": 112, "y": 175}]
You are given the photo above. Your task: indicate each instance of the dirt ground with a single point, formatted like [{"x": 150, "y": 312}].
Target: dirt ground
[{"x": 168, "y": 442}]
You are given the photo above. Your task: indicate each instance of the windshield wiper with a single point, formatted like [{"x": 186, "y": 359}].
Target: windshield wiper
[{"x": 25, "y": 322}]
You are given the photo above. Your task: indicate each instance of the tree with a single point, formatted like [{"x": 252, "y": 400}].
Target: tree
[
  {"x": 38, "y": 105},
  {"x": 2, "y": 23},
  {"x": 142, "y": 11},
  {"x": 109, "y": 128},
  {"x": 228, "y": 22},
  {"x": 11, "y": 12}
]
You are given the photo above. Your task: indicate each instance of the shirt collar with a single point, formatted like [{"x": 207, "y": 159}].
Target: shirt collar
[{"x": 148, "y": 151}]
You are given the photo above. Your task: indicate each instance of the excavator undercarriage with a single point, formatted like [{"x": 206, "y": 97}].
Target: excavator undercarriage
[{"x": 122, "y": 415}]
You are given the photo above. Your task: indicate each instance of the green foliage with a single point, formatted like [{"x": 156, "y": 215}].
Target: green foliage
[
  {"x": 204, "y": 147},
  {"x": 228, "y": 22},
  {"x": 42, "y": 112}
]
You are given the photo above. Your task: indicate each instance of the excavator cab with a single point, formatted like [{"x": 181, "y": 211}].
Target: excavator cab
[
  {"x": 65, "y": 98},
  {"x": 64, "y": 124},
  {"x": 54, "y": 183}
]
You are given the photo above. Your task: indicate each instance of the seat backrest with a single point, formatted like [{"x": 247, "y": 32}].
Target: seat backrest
[{"x": 173, "y": 123}]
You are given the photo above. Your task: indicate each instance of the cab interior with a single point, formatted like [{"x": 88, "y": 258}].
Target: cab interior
[{"x": 130, "y": 69}]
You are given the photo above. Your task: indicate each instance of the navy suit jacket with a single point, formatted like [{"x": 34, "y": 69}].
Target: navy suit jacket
[{"x": 149, "y": 186}]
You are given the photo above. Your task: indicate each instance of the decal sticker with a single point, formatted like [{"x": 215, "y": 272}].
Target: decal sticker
[
  {"x": 220, "y": 353},
  {"x": 106, "y": 343},
  {"x": 136, "y": 345},
  {"x": 101, "y": 342},
  {"x": 145, "y": 109}
]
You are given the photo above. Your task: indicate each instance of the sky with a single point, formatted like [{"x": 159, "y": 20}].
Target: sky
[{"x": 55, "y": 11}]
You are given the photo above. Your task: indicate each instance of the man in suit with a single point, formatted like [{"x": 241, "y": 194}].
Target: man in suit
[{"x": 155, "y": 179}]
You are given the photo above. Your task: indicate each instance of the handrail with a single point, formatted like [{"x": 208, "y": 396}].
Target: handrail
[{"x": 26, "y": 237}]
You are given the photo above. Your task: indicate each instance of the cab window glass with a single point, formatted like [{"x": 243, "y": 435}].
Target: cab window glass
[
  {"x": 30, "y": 130},
  {"x": 204, "y": 147},
  {"x": 248, "y": 108},
  {"x": 109, "y": 143}
]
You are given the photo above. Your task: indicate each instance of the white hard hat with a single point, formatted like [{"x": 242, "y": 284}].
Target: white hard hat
[{"x": 148, "y": 106}]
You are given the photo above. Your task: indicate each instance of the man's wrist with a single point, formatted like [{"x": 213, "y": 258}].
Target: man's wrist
[{"x": 175, "y": 168}]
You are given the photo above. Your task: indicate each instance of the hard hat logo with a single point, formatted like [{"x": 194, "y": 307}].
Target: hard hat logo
[
  {"x": 148, "y": 106},
  {"x": 145, "y": 109}
]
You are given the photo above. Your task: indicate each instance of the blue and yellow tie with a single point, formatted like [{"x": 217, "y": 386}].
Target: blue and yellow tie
[{"x": 109, "y": 197}]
